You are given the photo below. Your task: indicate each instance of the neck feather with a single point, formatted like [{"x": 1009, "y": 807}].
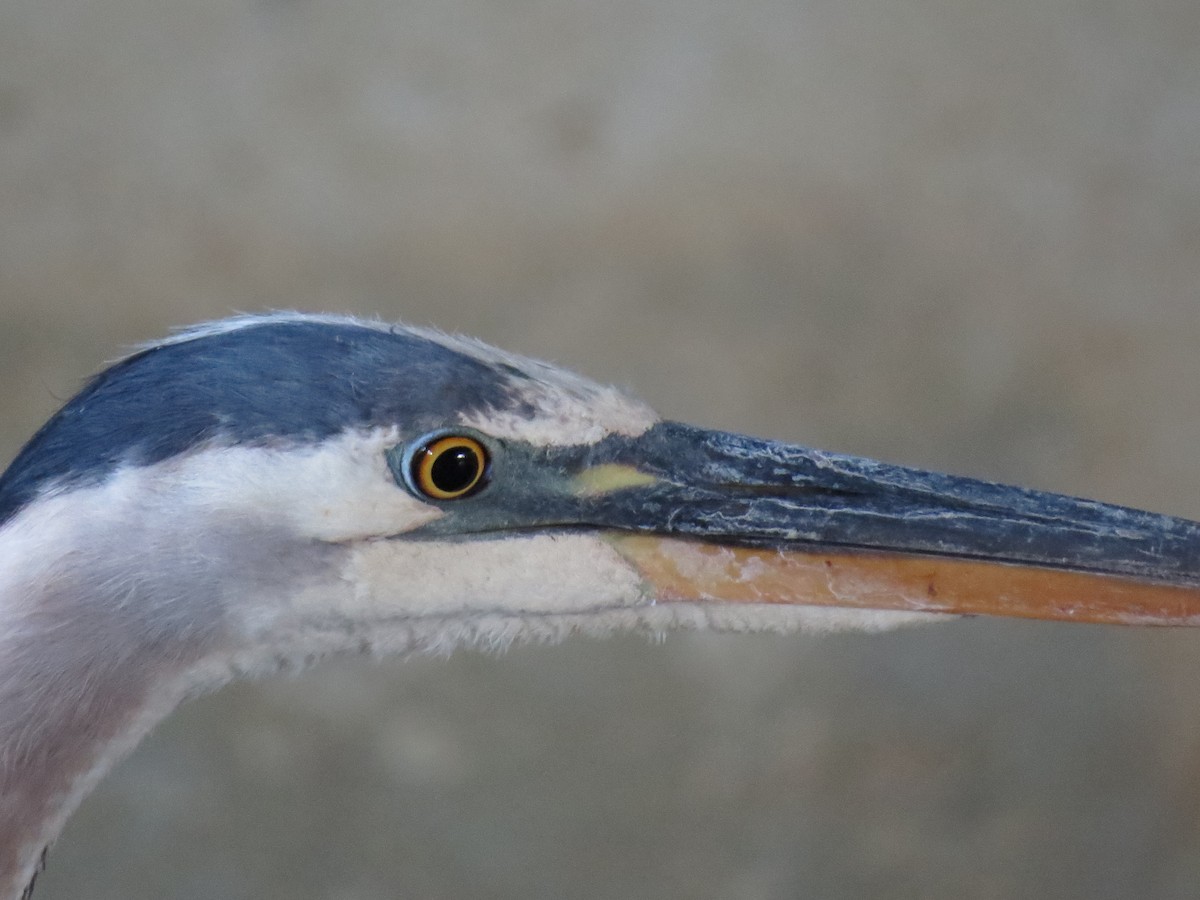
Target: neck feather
[{"x": 84, "y": 674}]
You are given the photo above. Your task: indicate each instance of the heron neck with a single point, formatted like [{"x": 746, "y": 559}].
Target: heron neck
[{"x": 84, "y": 674}]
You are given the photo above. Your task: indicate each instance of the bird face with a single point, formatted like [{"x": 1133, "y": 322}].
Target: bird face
[
  {"x": 566, "y": 505},
  {"x": 746, "y": 528}
]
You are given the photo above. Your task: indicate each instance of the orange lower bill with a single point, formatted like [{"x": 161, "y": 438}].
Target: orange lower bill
[{"x": 685, "y": 570}]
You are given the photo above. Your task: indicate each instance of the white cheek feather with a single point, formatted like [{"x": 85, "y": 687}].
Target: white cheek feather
[{"x": 337, "y": 491}]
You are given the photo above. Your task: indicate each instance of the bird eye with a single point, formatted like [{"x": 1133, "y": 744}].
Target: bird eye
[{"x": 449, "y": 467}]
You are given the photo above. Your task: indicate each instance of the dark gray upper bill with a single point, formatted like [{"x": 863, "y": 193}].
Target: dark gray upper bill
[
  {"x": 733, "y": 489},
  {"x": 764, "y": 491}
]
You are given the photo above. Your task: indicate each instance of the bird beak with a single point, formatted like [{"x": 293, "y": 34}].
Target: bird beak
[{"x": 709, "y": 516}]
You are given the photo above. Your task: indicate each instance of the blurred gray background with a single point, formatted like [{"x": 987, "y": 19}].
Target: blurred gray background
[{"x": 962, "y": 235}]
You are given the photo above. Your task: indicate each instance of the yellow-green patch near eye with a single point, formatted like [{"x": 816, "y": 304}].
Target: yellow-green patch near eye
[{"x": 611, "y": 477}]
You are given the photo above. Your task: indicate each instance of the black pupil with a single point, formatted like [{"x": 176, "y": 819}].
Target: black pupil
[{"x": 454, "y": 470}]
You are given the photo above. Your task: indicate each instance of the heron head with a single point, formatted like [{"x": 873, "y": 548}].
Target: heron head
[
  {"x": 300, "y": 485},
  {"x": 259, "y": 493}
]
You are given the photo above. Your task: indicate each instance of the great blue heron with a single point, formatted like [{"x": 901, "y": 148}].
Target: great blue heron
[{"x": 265, "y": 491}]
